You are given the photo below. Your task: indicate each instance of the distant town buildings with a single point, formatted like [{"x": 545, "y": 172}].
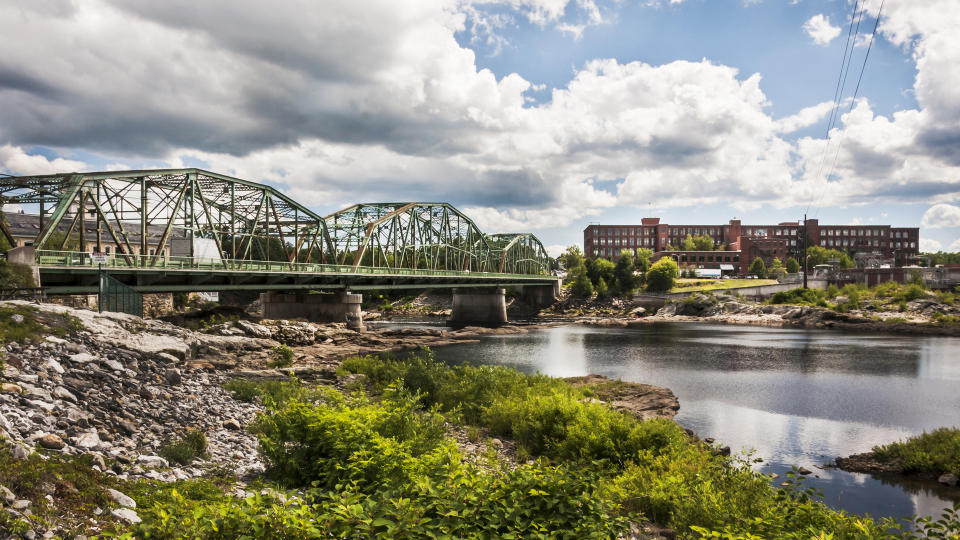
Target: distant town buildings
[{"x": 740, "y": 244}]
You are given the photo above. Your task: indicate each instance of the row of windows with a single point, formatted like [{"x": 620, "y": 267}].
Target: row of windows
[{"x": 709, "y": 257}]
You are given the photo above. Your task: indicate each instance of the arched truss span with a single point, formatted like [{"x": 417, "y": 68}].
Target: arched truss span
[
  {"x": 519, "y": 253},
  {"x": 414, "y": 235}
]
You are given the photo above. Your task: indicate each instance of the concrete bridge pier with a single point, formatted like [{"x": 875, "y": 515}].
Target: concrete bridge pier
[
  {"x": 541, "y": 296},
  {"x": 479, "y": 306},
  {"x": 339, "y": 307}
]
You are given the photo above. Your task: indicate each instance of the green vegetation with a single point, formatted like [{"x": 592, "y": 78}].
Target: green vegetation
[
  {"x": 936, "y": 453},
  {"x": 818, "y": 255},
  {"x": 15, "y": 276},
  {"x": 282, "y": 357},
  {"x": 77, "y": 490},
  {"x": 604, "y": 277},
  {"x": 35, "y": 324},
  {"x": 757, "y": 268},
  {"x": 662, "y": 275},
  {"x": 191, "y": 445},
  {"x": 792, "y": 266}
]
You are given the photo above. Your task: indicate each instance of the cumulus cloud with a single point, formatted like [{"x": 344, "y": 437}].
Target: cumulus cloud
[
  {"x": 954, "y": 246},
  {"x": 941, "y": 215},
  {"x": 819, "y": 28},
  {"x": 377, "y": 100},
  {"x": 929, "y": 245}
]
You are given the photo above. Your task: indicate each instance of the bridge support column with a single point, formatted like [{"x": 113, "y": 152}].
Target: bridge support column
[
  {"x": 541, "y": 296},
  {"x": 26, "y": 256},
  {"x": 486, "y": 307},
  {"x": 339, "y": 307}
]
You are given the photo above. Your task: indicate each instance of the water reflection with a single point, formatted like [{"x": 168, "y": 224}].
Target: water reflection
[{"x": 797, "y": 397}]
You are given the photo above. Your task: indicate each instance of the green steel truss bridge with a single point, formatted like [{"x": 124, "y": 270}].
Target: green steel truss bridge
[{"x": 194, "y": 230}]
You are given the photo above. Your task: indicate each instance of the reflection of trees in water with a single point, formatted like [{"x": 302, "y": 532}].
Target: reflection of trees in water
[
  {"x": 919, "y": 486},
  {"x": 743, "y": 348}
]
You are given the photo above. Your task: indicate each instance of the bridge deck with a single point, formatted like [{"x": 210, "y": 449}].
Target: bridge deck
[{"x": 76, "y": 273}]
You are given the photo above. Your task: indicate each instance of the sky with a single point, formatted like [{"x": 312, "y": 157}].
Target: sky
[{"x": 529, "y": 115}]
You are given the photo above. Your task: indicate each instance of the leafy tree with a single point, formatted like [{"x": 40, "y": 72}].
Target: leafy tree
[
  {"x": 602, "y": 290},
  {"x": 598, "y": 269},
  {"x": 757, "y": 268},
  {"x": 643, "y": 262},
  {"x": 625, "y": 282},
  {"x": 703, "y": 243},
  {"x": 581, "y": 285},
  {"x": 572, "y": 258},
  {"x": 776, "y": 268},
  {"x": 818, "y": 255},
  {"x": 792, "y": 265},
  {"x": 662, "y": 276},
  {"x": 689, "y": 244},
  {"x": 670, "y": 247}
]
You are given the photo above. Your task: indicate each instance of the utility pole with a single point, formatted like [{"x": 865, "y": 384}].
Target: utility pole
[{"x": 805, "y": 261}]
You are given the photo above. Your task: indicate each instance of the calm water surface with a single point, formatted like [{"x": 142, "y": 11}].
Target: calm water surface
[{"x": 797, "y": 397}]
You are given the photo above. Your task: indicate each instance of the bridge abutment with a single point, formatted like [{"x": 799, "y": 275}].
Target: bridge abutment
[
  {"x": 339, "y": 307},
  {"x": 479, "y": 306}
]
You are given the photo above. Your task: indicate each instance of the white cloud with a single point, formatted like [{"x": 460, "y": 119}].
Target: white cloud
[
  {"x": 954, "y": 246},
  {"x": 819, "y": 28},
  {"x": 928, "y": 245},
  {"x": 941, "y": 215},
  {"x": 805, "y": 118},
  {"x": 18, "y": 162}
]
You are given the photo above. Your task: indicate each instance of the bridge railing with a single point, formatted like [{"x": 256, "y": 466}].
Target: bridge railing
[{"x": 74, "y": 259}]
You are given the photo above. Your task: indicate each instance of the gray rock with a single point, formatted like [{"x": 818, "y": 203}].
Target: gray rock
[
  {"x": 62, "y": 393},
  {"x": 948, "y": 479},
  {"x": 127, "y": 515},
  {"x": 6, "y": 495},
  {"x": 82, "y": 358},
  {"x": 152, "y": 461},
  {"x": 20, "y": 452},
  {"x": 127, "y": 427},
  {"x": 20, "y": 505},
  {"x": 53, "y": 365},
  {"x": 113, "y": 364},
  {"x": 232, "y": 424},
  {"x": 16, "y": 318},
  {"x": 804, "y": 471},
  {"x": 87, "y": 440},
  {"x": 121, "y": 498},
  {"x": 173, "y": 376},
  {"x": 254, "y": 329}
]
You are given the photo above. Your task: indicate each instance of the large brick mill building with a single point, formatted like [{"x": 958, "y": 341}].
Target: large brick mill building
[{"x": 743, "y": 243}]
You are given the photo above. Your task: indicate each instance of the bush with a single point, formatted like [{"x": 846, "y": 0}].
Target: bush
[
  {"x": 189, "y": 447},
  {"x": 662, "y": 276},
  {"x": 282, "y": 357},
  {"x": 936, "y": 453},
  {"x": 800, "y": 296}
]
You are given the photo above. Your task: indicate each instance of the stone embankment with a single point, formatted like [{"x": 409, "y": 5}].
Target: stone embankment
[
  {"x": 725, "y": 309},
  {"x": 871, "y": 463}
]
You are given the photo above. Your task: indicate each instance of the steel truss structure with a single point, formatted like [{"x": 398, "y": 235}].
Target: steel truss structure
[{"x": 143, "y": 213}]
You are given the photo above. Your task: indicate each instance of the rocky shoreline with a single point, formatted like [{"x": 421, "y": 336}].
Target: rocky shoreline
[
  {"x": 119, "y": 389},
  {"x": 871, "y": 463}
]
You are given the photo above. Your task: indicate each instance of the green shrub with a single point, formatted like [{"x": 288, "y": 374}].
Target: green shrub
[
  {"x": 937, "y": 452},
  {"x": 282, "y": 357},
  {"x": 187, "y": 448},
  {"x": 662, "y": 275},
  {"x": 268, "y": 392},
  {"x": 800, "y": 296}
]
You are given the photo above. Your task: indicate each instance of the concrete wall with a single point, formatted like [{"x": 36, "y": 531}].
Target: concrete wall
[
  {"x": 656, "y": 301},
  {"x": 340, "y": 307},
  {"x": 26, "y": 256}
]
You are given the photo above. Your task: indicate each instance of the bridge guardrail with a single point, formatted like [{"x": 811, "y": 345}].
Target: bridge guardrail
[{"x": 76, "y": 259}]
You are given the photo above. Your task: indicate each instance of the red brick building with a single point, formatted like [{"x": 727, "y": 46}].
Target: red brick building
[{"x": 750, "y": 241}]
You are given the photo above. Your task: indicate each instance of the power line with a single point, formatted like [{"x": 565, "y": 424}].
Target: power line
[
  {"x": 845, "y": 62},
  {"x": 857, "y": 89}
]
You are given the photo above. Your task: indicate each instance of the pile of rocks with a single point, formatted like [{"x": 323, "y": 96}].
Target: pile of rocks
[{"x": 121, "y": 390}]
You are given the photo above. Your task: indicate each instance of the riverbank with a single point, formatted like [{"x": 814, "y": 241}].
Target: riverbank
[{"x": 929, "y": 456}]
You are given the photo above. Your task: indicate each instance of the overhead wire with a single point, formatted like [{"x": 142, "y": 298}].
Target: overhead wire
[
  {"x": 856, "y": 90},
  {"x": 845, "y": 62}
]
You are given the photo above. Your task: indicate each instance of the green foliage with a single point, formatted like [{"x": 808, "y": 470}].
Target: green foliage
[
  {"x": 643, "y": 262},
  {"x": 58, "y": 241},
  {"x": 268, "y": 392},
  {"x": 937, "y": 452},
  {"x": 943, "y": 258},
  {"x": 35, "y": 325},
  {"x": 662, "y": 275},
  {"x": 572, "y": 258},
  {"x": 943, "y": 318},
  {"x": 15, "y": 276},
  {"x": 602, "y": 290},
  {"x": 282, "y": 357},
  {"x": 598, "y": 269},
  {"x": 351, "y": 440},
  {"x": 757, "y": 268},
  {"x": 581, "y": 286},
  {"x": 792, "y": 266},
  {"x": 818, "y": 255},
  {"x": 625, "y": 282},
  {"x": 776, "y": 269},
  {"x": 800, "y": 296},
  {"x": 191, "y": 445}
]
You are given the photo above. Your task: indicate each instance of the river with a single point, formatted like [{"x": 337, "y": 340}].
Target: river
[{"x": 796, "y": 397}]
